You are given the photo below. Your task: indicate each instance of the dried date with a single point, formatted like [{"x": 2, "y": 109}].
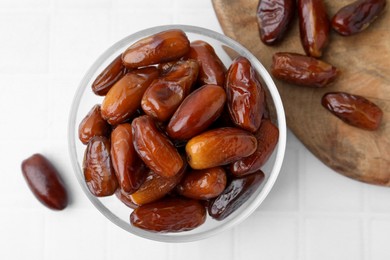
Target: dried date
[
  {"x": 45, "y": 182},
  {"x": 302, "y": 70},
  {"x": 158, "y": 48},
  {"x": 353, "y": 109},
  {"x": 165, "y": 94},
  {"x": 219, "y": 147},
  {"x": 267, "y": 138},
  {"x": 273, "y": 18},
  {"x": 93, "y": 125},
  {"x": 314, "y": 26},
  {"x": 201, "y": 108},
  {"x": 245, "y": 97},
  {"x": 235, "y": 195},
  {"x": 97, "y": 166},
  {"x": 357, "y": 16},
  {"x": 154, "y": 148},
  {"x": 124, "y": 98},
  {"x": 169, "y": 215}
]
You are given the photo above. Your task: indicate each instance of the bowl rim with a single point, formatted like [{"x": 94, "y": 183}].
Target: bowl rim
[{"x": 281, "y": 146}]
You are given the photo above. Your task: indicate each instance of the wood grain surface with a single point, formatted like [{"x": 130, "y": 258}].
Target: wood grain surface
[{"x": 364, "y": 60}]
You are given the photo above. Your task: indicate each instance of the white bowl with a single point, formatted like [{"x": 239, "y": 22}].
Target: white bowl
[{"x": 115, "y": 210}]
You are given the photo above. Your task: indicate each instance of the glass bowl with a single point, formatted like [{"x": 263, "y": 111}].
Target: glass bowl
[{"x": 111, "y": 207}]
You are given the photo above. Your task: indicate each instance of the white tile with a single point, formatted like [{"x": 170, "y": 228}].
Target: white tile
[
  {"x": 25, "y": 43},
  {"x": 267, "y": 237},
  {"x": 24, "y": 3},
  {"x": 23, "y": 102},
  {"x": 87, "y": 4},
  {"x": 75, "y": 234},
  {"x": 284, "y": 195},
  {"x": 22, "y": 234},
  {"x": 333, "y": 238},
  {"x": 202, "y": 18},
  {"x": 124, "y": 24},
  {"x": 378, "y": 198},
  {"x": 190, "y": 4},
  {"x": 217, "y": 247},
  {"x": 78, "y": 39},
  {"x": 379, "y": 239},
  {"x": 326, "y": 190},
  {"x": 61, "y": 92},
  {"x": 144, "y": 4},
  {"x": 122, "y": 245}
]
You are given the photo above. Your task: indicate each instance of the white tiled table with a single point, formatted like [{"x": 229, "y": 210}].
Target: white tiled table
[{"x": 45, "y": 48}]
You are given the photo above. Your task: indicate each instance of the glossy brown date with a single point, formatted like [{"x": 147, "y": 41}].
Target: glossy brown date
[
  {"x": 124, "y": 98},
  {"x": 357, "y": 16},
  {"x": 93, "y": 125},
  {"x": 98, "y": 171},
  {"x": 169, "y": 215},
  {"x": 235, "y": 195},
  {"x": 155, "y": 187},
  {"x": 129, "y": 168},
  {"x": 314, "y": 26},
  {"x": 203, "y": 184},
  {"x": 302, "y": 70},
  {"x": 44, "y": 181},
  {"x": 125, "y": 198},
  {"x": 158, "y": 48},
  {"x": 245, "y": 98},
  {"x": 273, "y": 18},
  {"x": 165, "y": 94},
  {"x": 201, "y": 108},
  {"x": 211, "y": 68},
  {"x": 109, "y": 76},
  {"x": 154, "y": 148},
  {"x": 267, "y": 138},
  {"x": 219, "y": 147},
  {"x": 353, "y": 109}
]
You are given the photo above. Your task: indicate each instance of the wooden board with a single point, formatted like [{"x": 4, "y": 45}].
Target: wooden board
[{"x": 364, "y": 60}]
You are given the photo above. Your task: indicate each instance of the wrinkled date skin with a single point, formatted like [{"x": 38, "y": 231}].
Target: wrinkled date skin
[
  {"x": 267, "y": 137},
  {"x": 235, "y": 195},
  {"x": 211, "y": 68},
  {"x": 273, "y": 18},
  {"x": 154, "y": 148},
  {"x": 44, "y": 181},
  {"x": 314, "y": 26},
  {"x": 353, "y": 109},
  {"x": 155, "y": 187},
  {"x": 98, "y": 171},
  {"x": 203, "y": 184},
  {"x": 93, "y": 125},
  {"x": 169, "y": 215},
  {"x": 165, "y": 94},
  {"x": 302, "y": 70},
  {"x": 109, "y": 76},
  {"x": 245, "y": 98},
  {"x": 158, "y": 48},
  {"x": 357, "y": 16},
  {"x": 124, "y": 98},
  {"x": 129, "y": 168},
  {"x": 201, "y": 108},
  {"x": 219, "y": 147}
]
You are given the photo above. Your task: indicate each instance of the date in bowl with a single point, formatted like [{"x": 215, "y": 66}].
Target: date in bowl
[{"x": 110, "y": 206}]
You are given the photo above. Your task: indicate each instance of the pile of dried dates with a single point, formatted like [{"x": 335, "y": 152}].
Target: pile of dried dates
[
  {"x": 274, "y": 18},
  {"x": 177, "y": 134}
]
